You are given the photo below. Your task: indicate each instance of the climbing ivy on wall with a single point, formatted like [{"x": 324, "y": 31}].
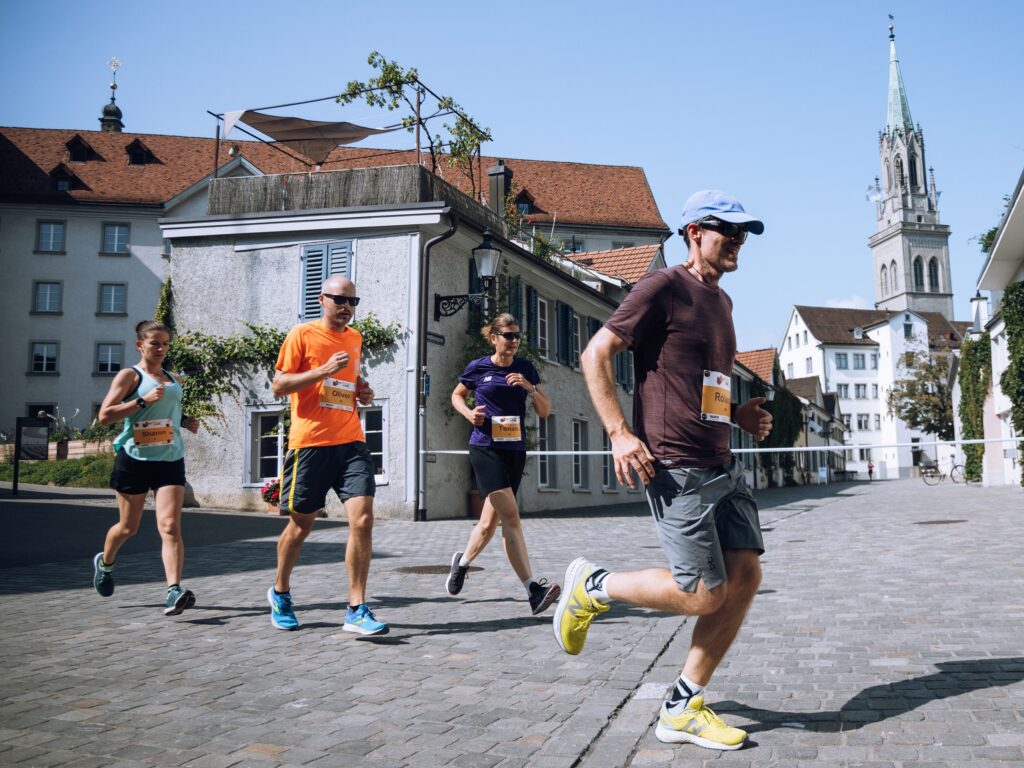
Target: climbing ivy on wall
[
  {"x": 975, "y": 377},
  {"x": 1012, "y": 379}
]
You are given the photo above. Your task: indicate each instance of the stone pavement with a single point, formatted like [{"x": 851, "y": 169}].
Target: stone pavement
[{"x": 888, "y": 632}]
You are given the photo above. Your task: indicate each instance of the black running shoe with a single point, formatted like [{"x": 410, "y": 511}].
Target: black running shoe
[
  {"x": 543, "y": 595},
  {"x": 457, "y": 575}
]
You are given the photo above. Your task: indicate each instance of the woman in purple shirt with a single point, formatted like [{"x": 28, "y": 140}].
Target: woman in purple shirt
[{"x": 501, "y": 384}]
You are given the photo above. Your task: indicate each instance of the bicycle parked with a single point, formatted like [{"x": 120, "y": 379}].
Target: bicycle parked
[{"x": 931, "y": 474}]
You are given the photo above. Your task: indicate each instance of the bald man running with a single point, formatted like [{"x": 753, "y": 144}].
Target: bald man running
[{"x": 318, "y": 367}]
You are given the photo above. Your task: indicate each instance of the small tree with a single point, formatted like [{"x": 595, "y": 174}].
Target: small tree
[
  {"x": 921, "y": 396},
  {"x": 395, "y": 87}
]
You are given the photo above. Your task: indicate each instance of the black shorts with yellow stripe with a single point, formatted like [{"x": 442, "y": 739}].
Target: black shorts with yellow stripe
[{"x": 309, "y": 473}]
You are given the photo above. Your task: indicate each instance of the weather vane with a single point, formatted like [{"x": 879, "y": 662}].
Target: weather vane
[{"x": 114, "y": 64}]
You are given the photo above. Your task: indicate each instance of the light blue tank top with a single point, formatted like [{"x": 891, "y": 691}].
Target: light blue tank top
[{"x": 154, "y": 433}]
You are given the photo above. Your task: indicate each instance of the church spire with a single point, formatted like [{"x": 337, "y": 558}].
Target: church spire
[
  {"x": 899, "y": 108},
  {"x": 110, "y": 119}
]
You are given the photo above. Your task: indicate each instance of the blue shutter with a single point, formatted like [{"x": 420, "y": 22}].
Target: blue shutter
[
  {"x": 340, "y": 259},
  {"x": 561, "y": 327},
  {"x": 532, "y": 333},
  {"x": 515, "y": 299},
  {"x": 313, "y": 276}
]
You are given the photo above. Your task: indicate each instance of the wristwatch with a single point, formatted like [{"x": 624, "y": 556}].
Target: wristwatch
[{"x": 140, "y": 402}]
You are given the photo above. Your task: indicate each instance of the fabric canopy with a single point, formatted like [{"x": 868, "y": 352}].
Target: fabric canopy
[{"x": 313, "y": 138}]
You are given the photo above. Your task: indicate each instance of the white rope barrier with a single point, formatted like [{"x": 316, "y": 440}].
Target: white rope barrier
[{"x": 837, "y": 448}]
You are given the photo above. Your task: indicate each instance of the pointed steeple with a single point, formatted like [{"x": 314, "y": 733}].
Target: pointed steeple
[
  {"x": 899, "y": 108},
  {"x": 110, "y": 119}
]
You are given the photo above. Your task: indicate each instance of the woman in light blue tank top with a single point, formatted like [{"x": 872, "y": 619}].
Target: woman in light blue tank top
[{"x": 150, "y": 456}]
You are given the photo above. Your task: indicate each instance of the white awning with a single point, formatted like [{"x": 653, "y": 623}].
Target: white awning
[{"x": 313, "y": 138}]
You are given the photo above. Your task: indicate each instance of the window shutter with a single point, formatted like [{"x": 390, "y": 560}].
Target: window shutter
[
  {"x": 629, "y": 370},
  {"x": 532, "y": 333},
  {"x": 563, "y": 332},
  {"x": 593, "y": 326},
  {"x": 515, "y": 299},
  {"x": 340, "y": 259},
  {"x": 313, "y": 276}
]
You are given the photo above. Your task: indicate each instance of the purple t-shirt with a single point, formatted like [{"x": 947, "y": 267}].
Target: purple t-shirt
[
  {"x": 677, "y": 327},
  {"x": 487, "y": 382}
]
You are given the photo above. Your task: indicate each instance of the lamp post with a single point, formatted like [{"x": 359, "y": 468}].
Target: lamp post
[{"x": 487, "y": 257}]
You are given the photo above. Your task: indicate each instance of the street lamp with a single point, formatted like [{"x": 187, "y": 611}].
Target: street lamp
[{"x": 487, "y": 257}]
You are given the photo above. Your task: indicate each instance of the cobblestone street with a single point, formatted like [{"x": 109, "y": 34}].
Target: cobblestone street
[{"x": 887, "y": 633}]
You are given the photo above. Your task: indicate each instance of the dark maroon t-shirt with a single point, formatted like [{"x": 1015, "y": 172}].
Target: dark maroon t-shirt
[{"x": 677, "y": 327}]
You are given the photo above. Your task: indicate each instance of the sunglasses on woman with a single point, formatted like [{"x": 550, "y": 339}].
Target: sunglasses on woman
[
  {"x": 511, "y": 335},
  {"x": 339, "y": 300}
]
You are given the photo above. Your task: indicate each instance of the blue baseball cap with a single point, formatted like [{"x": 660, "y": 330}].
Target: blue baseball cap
[{"x": 721, "y": 205}]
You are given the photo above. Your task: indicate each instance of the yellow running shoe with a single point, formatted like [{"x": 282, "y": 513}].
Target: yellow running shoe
[
  {"x": 576, "y": 608},
  {"x": 698, "y": 725}
]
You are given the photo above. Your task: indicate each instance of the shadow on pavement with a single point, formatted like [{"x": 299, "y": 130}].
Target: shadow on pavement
[{"x": 881, "y": 702}]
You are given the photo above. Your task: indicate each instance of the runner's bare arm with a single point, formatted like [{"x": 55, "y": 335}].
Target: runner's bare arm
[
  {"x": 628, "y": 450},
  {"x": 285, "y": 384},
  {"x": 541, "y": 402},
  {"x": 113, "y": 409},
  {"x": 472, "y": 415}
]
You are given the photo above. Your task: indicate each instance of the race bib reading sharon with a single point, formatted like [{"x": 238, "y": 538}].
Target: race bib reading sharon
[{"x": 153, "y": 433}]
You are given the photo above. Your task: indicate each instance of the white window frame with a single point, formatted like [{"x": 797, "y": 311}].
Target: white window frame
[
  {"x": 860, "y": 391},
  {"x": 842, "y": 361},
  {"x": 843, "y": 391},
  {"x": 575, "y": 361},
  {"x": 109, "y": 345},
  {"x": 874, "y": 391},
  {"x": 809, "y": 365},
  {"x": 863, "y": 422},
  {"x": 101, "y": 310},
  {"x": 874, "y": 361},
  {"x": 37, "y": 307},
  {"x": 878, "y": 421},
  {"x": 789, "y": 370},
  {"x": 608, "y": 480},
  {"x": 580, "y": 464},
  {"x": 542, "y": 328},
  {"x": 546, "y": 465},
  {"x": 252, "y": 414},
  {"x": 381, "y": 405},
  {"x": 119, "y": 248},
  {"x": 50, "y": 241},
  {"x": 32, "y": 355},
  {"x": 858, "y": 361}
]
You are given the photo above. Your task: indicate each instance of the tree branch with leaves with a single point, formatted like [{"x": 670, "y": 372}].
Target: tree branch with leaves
[{"x": 920, "y": 396}]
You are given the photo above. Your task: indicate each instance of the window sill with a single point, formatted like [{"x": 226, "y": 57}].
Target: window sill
[
  {"x": 43, "y": 313},
  {"x": 610, "y": 490},
  {"x": 102, "y": 375},
  {"x": 109, "y": 253},
  {"x": 50, "y": 253},
  {"x": 111, "y": 314},
  {"x": 548, "y": 489},
  {"x": 42, "y": 373}
]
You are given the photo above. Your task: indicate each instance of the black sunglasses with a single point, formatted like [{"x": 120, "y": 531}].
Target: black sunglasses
[
  {"x": 511, "y": 335},
  {"x": 339, "y": 300},
  {"x": 725, "y": 228}
]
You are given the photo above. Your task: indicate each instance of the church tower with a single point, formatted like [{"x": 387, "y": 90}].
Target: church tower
[{"x": 910, "y": 248}]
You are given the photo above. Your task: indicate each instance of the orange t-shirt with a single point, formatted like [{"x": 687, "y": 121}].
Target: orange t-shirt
[{"x": 325, "y": 412}]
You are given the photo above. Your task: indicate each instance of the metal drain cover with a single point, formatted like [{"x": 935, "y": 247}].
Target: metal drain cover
[
  {"x": 432, "y": 570},
  {"x": 939, "y": 522}
]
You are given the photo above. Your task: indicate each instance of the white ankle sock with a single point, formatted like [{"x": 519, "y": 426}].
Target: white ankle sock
[
  {"x": 596, "y": 586},
  {"x": 464, "y": 561},
  {"x": 683, "y": 691}
]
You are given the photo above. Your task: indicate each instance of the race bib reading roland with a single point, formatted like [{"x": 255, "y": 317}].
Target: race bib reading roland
[
  {"x": 505, "y": 429},
  {"x": 716, "y": 397},
  {"x": 148, "y": 434},
  {"x": 335, "y": 393}
]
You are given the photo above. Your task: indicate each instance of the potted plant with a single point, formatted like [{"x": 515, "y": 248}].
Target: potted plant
[{"x": 271, "y": 494}]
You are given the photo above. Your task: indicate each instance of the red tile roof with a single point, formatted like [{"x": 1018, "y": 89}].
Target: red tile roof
[
  {"x": 760, "y": 361},
  {"x": 805, "y": 387},
  {"x": 577, "y": 193},
  {"x": 831, "y": 325},
  {"x": 628, "y": 264}
]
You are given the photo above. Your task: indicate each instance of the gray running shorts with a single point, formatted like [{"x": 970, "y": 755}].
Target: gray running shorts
[{"x": 699, "y": 512}]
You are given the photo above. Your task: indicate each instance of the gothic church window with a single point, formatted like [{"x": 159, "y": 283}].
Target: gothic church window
[
  {"x": 888, "y": 176},
  {"x": 918, "y": 274},
  {"x": 885, "y": 281},
  {"x": 933, "y": 275},
  {"x": 913, "y": 172},
  {"x": 899, "y": 172},
  {"x": 895, "y": 276}
]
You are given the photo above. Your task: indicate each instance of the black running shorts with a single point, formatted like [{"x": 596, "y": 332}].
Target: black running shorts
[
  {"x": 309, "y": 473},
  {"x": 132, "y": 476},
  {"x": 495, "y": 469}
]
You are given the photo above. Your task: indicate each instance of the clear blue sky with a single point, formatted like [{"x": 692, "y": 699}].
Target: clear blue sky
[{"x": 778, "y": 103}]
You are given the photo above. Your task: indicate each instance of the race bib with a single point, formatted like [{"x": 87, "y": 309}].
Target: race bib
[
  {"x": 335, "y": 393},
  {"x": 505, "y": 429},
  {"x": 153, "y": 433},
  {"x": 716, "y": 397}
]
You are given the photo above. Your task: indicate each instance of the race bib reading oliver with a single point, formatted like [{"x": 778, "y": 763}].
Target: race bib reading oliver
[
  {"x": 153, "y": 433},
  {"x": 335, "y": 393},
  {"x": 716, "y": 397},
  {"x": 505, "y": 429}
]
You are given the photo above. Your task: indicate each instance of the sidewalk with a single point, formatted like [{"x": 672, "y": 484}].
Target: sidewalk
[{"x": 887, "y": 633}]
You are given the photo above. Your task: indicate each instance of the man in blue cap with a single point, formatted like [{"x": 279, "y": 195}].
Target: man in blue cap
[{"x": 678, "y": 323}]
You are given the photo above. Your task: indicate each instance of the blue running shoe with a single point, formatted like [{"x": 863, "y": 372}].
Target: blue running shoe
[
  {"x": 102, "y": 578},
  {"x": 282, "y": 615},
  {"x": 363, "y": 622},
  {"x": 178, "y": 600}
]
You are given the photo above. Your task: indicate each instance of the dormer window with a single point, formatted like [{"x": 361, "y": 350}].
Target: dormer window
[
  {"x": 524, "y": 204},
  {"x": 64, "y": 180},
  {"x": 80, "y": 151},
  {"x": 140, "y": 154}
]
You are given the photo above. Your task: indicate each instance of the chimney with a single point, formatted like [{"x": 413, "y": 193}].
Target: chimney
[
  {"x": 979, "y": 312},
  {"x": 500, "y": 180}
]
